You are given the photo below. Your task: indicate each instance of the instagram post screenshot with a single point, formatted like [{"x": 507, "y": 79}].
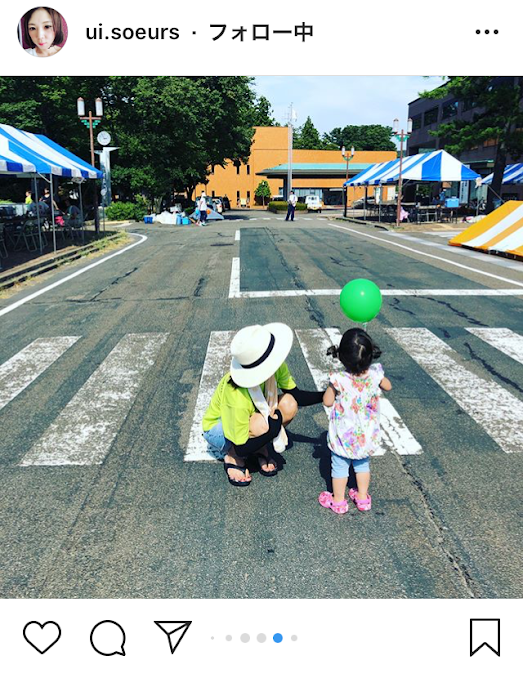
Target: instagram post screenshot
[{"x": 261, "y": 337}]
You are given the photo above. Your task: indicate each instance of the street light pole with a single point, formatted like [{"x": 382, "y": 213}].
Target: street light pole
[
  {"x": 401, "y": 136},
  {"x": 291, "y": 119},
  {"x": 348, "y": 157},
  {"x": 91, "y": 122}
]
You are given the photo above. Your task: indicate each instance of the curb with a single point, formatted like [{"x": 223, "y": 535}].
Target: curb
[
  {"x": 7, "y": 280},
  {"x": 364, "y": 223}
]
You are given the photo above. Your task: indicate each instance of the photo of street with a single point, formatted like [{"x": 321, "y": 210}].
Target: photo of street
[{"x": 131, "y": 261}]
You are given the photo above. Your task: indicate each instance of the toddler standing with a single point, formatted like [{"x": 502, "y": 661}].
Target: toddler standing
[{"x": 354, "y": 423}]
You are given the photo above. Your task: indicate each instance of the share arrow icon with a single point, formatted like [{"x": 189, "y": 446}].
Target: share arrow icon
[{"x": 175, "y": 631}]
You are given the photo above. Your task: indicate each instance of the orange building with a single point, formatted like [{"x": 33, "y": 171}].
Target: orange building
[{"x": 321, "y": 172}]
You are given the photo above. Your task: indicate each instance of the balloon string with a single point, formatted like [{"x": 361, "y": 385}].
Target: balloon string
[{"x": 365, "y": 326}]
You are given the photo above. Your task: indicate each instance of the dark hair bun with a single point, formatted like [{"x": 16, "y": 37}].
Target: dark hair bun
[
  {"x": 357, "y": 351},
  {"x": 333, "y": 351}
]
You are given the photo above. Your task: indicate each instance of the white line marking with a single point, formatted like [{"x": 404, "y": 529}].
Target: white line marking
[
  {"x": 426, "y": 254},
  {"x": 395, "y": 434},
  {"x": 498, "y": 412},
  {"x": 263, "y": 294},
  {"x": 266, "y": 218},
  {"x": 84, "y": 430},
  {"x": 234, "y": 285},
  {"x": 505, "y": 340},
  {"x": 237, "y": 235},
  {"x": 23, "y": 301},
  {"x": 27, "y": 365},
  {"x": 497, "y": 260},
  {"x": 217, "y": 362}
]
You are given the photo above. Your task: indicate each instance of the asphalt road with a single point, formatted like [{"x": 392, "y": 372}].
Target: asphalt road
[{"x": 137, "y": 520}]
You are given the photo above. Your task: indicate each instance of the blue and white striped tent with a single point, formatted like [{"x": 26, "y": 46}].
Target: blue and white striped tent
[
  {"x": 438, "y": 166},
  {"x": 513, "y": 175},
  {"x": 29, "y": 154},
  {"x": 369, "y": 173}
]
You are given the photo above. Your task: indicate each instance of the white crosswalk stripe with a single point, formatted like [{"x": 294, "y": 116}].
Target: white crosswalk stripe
[
  {"x": 505, "y": 340},
  {"x": 217, "y": 362},
  {"x": 28, "y": 364},
  {"x": 237, "y": 235},
  {"x": 84, "y": 430},
  {"x": 490, "y": 405},
  {"x": 314, "y": 344}
]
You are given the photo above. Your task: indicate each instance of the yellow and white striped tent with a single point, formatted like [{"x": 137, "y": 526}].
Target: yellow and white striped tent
[{"x": 501, "y": 231}]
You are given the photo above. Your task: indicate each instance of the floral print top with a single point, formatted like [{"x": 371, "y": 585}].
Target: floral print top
[{"x": 354, "y": 422}]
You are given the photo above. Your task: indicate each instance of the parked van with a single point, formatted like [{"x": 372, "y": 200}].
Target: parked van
[{"x": 313, "y": 203}]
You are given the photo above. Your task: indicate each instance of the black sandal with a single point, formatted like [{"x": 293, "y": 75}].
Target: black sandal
[
  {"x": 234, "y": 482},
  {"x": 263, "y": 472}
]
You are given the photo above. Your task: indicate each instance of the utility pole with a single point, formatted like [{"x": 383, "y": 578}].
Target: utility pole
[
  {"x": 91, "y": 122},
  {"x": 402, "y": 136},
  {"x": 291, "y": 120}
]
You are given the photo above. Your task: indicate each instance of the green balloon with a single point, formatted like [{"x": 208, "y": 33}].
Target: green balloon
[{"x": 360, "y": 300}]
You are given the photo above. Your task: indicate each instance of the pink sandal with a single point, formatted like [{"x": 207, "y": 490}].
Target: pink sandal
[
  {"x": 325, "y": 500},
  {"x": 363, "y": 505}
]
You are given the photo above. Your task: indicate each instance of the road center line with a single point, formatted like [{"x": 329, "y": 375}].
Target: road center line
[
  {"x": 425, "y": 254},
  {"x": 23, "y": 301}
]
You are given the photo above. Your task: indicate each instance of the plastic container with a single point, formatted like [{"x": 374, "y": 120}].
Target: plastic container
[
  {"x": 186, "y": 220},
  {"x": 148, "y": 219},
  {"x": 452, "y": 202}
]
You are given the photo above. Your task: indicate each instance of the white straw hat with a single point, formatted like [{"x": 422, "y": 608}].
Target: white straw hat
[{"x": 257, "y": 352}]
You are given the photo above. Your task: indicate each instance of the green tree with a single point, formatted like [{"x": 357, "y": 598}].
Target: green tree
[
  {"x": 498, "y": 116},
  {"x": 173, "y": 128},
  {"x": 371, "y": 137},
  {"x": 263, "y": 191},
  {"x": 306, "y": 137},
  {"x": 263, "y": 113},
  {"x": 169, "y": 130}
]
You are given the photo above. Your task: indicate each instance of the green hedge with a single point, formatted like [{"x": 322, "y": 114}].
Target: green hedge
[
  {"x": 279, "y": 206},
  {"x": 125, "y": 210}
]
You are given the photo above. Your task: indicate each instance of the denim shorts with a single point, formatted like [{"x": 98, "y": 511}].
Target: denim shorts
[
  {"x": 340, "y": 465},
  {"x": 217, "y": 439}
]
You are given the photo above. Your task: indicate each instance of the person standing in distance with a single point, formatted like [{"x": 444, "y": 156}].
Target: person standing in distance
[
  {"x": 292, "y": 201},
  {"x": 202, "y": 207}
]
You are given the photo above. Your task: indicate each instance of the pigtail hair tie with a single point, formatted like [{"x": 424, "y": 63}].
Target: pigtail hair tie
[{"x": 333, "y": 352}]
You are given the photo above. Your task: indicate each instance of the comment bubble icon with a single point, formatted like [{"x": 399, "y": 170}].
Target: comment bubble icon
[{"x": 108, "y": 638}]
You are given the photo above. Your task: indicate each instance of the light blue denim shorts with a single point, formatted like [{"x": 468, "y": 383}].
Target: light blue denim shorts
[
  {"x": 340, "y": 465},
  {"x": 217, "y": 439}
]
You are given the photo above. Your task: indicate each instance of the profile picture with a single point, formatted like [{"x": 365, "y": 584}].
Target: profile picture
[{"x": 42, "y": 31}]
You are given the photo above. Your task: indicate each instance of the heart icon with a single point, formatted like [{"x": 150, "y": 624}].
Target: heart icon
[{"x": 42, "y": 636}]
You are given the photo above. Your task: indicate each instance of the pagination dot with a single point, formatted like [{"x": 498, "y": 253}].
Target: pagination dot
[
  {"x": 294, "y": 638},
  {"x": 245, "y": 637},
  {"x": 277, "y": 637},
  {"x": 261, "y": 637},
  {"x": 228, "y": 638}
]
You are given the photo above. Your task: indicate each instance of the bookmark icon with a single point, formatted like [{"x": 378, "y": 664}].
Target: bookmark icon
[
  {"x": 485, "y": 633},
  {"x": 174, "y": 631}
]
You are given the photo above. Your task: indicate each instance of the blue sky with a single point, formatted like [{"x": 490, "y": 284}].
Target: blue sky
[{"x": 337, "y": 101}]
